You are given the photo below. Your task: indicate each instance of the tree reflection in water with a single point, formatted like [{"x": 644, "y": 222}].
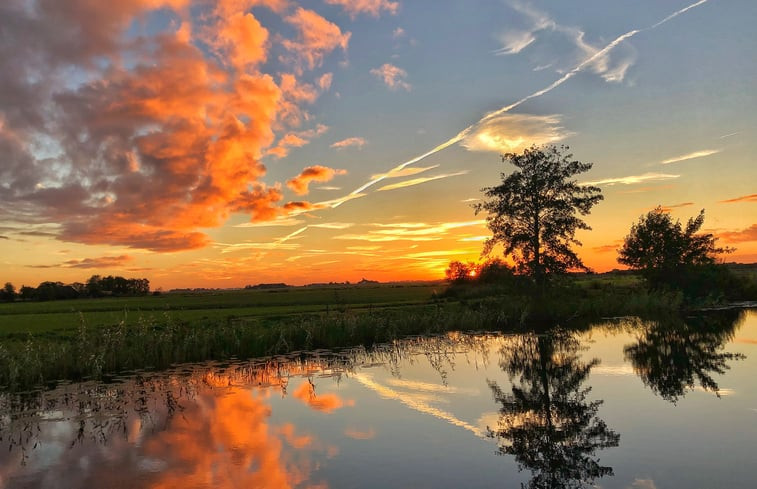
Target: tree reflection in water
[
  {"x": 546, "y": 422},
  {"x": 675, "y": 355}
]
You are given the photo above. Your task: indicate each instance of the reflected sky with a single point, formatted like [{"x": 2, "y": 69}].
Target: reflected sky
[{"x": 642, "y": 404}]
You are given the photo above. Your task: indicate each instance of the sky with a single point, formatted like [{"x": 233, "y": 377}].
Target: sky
[{"x": 204, "y": 143}]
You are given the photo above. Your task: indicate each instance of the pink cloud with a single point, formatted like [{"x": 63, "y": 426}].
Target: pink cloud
[
  {"x": 392, "y": 76},
  {"x": 346, "y": 143},
  {"x": 370, "y": 7}
]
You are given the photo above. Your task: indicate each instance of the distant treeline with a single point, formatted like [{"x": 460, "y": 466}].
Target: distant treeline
[{"x": 96, "y": 286}]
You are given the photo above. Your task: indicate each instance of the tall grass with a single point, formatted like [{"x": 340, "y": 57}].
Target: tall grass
[{"x": 157, "y": 342}]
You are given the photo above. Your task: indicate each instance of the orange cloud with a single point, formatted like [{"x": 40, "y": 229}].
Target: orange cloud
[
  {"x": 296, "y": 441},
  {"x": 346, "y": 143},
  {"x": 370, "y": 7},
  {"x": 241, "y": 37},
  {"x": 326, "y": 403},
  {"x": 299, "y": 205},
  {"x": 246, "y": 451},
  {"x": 294, "y": 93},
  {"x": 155, "y": 150},
  {"x": 608, "y": 248},
  {"x": 133, "y": 236},
  {"x": 743, "y": 198},
  {"x": 316, "y": 173},
  {"x": 669, "y": 208},
  {"x": 290, "y": 140},
  {"x": 748, "y": 234},
  {"x": 392, "y": 76},
  {"x": 317, "y": 38},
  {"x": 295, "y": 140}
]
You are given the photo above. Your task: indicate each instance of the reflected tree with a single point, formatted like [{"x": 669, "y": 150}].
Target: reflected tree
[
  {"x": 674, "y": 356},
  {"x": 546, "y": 422}
]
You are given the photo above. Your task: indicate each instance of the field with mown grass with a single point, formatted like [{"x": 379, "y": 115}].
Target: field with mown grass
[{"x": 23, "y": 318}]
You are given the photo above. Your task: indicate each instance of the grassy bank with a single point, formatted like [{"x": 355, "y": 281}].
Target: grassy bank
[{"x": 157, "y": 339}]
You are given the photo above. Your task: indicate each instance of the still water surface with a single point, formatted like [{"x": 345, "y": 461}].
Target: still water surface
[{"x": 623, "y": 404}]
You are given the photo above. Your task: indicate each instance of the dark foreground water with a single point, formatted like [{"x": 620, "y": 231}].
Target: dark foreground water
[{"x": 624, "y": 404}]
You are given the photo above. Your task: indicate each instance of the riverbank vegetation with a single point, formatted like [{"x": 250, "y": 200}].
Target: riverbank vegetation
[{"x": 299, "y": 319}]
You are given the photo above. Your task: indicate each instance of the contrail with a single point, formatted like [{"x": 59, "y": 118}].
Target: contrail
[
  {"x": 462, "y": 134},
  {"x": 416, "y": 404},
  {"x": 292, "y": 235},
  {"x": 676, "y": 14}
]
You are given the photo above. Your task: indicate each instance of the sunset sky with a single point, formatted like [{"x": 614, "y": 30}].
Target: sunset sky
[{"x": 217, "y": 144}]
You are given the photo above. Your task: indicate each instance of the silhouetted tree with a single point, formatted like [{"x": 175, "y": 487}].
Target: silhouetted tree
[
  {"x": 533, "y": 213},
  {"x": 664, "y": 251},
  {"x": 98, "y": 286},
  {"x": 458, "y": 271},
  {"x": 94, "y": 287},
  {"x": 546, "y": 422},
  {"x": 672, "y": 357},
  {"x": 50, "y": 291},
  {"x": 27, "y": 293},
  {"x": 8, "y": 292}
]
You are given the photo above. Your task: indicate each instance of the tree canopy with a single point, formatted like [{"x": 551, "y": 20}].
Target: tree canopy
[
  {"x": 96, "y": 286},
  {"x": 663, "y": 249},
  {"x": 534, "y": 212}
]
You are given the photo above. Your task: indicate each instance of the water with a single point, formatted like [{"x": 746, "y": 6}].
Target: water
[{"x": 622, "y": 404}]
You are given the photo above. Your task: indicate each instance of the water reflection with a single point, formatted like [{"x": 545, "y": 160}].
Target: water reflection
[
  {"x": 546, "y": 421},
  {"x": 674, "y": 356},
  {"x": 205, "y": 426},
  {"x": 289, "y": 421}
]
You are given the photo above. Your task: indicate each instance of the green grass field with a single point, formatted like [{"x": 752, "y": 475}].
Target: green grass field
[{"x": 21, "y": 318}]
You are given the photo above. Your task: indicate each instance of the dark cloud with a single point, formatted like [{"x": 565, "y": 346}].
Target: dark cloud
[
  {"x": 669, "y": 208},
  {"x": 88, "y": 263},
  {"x": 43, "y": 234}
]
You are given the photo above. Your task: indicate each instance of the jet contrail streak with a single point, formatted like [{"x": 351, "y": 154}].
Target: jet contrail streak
[
  {"x": 291, "y": 235},
  {"x": 419, "y": 405},
  {"x": 462, "y": 134},
  {"x": 676, "y": 14}
]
